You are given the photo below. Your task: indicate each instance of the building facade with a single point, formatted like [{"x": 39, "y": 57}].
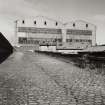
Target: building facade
[
  {"x": 40, "y": 30},
  {"x": 79, "y": 35},
  {"x": 43, "y": 31}
]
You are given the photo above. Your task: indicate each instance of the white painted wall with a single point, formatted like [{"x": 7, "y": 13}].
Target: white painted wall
[
  {"x": 81, "y": 25},
  {"x": 48, "y": 48},
  {"x": 50, "y": 23}
]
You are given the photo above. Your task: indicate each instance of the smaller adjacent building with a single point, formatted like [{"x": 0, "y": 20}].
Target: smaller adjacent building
[
  {"x": 49, "y": 34},
  {"x": 79, "y": 35}
]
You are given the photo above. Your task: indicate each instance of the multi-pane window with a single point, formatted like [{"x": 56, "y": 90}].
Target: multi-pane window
[
  {"x": 24, "y": 40},
  {"x": 47, "y": 42},
  {"x": 40, "y": 30},
  {"x": 79, "y": 32},
  {"x": 59, "y": 40},
  {"x": 78, "y": 40},
  {"x": 68, "y": 40}
]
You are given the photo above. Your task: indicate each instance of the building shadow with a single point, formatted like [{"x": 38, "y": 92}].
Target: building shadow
[{"x": 5, "y": 48}]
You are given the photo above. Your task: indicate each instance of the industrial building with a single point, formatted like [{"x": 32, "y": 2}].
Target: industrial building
[{"x": 49, "y": 34}]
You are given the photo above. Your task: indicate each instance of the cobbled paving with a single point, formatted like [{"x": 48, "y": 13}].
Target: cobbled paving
[{"x": 50, "y": 81}]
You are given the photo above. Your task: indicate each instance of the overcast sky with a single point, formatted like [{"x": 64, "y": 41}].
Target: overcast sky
[{"x": 64, "y": 10}]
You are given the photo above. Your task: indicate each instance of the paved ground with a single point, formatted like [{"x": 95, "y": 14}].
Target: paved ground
[{"x": 56, "y": 82}]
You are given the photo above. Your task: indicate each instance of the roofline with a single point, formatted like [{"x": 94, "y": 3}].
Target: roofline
[
  {"x": 79, "y": 20},
  {"x": 65, "y": 23},
  {"x": 85, "y": 22},
  {"x": 50, "y": 19}
]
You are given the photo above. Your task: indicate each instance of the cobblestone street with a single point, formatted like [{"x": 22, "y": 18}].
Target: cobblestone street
[{"x": 51, "y": 81}]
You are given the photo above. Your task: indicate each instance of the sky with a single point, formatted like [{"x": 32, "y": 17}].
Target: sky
[{"x": 92, "y": 11}]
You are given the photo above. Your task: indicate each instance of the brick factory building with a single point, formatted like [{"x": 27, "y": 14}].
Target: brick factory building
[{"x": 42, "y": 31}]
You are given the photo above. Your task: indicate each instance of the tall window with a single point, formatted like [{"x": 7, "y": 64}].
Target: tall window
[
  {"x": 45, "y": 23},
  {"x": 73, "y": 24},
  {"x": 34, "y": 22},
  {"x": 56, "y": 23},
  {"x": 23, "y": 21},
  {"x": 86, "y": 25}
]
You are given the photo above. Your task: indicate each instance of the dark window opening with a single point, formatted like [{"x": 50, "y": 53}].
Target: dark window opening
[
  {"x": 23, "y": 22},
  {"x": 59, "y": 40},
  {"x": 81, "y": 40},
  {"x": 45, "y": 23},
  {"x": 90, "y": 41},
  {"x": 77, "y": 40},
  {"x": 73, "y": 24},
  {"x": 34, "y": 22},
  {"x": 22, "y": 40},
  {"x": 56, "y": 23},
  {"x": 60, "y": 44},
  {"x": 86, "y": 25},
  {"x": 44, "y": 42}
]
